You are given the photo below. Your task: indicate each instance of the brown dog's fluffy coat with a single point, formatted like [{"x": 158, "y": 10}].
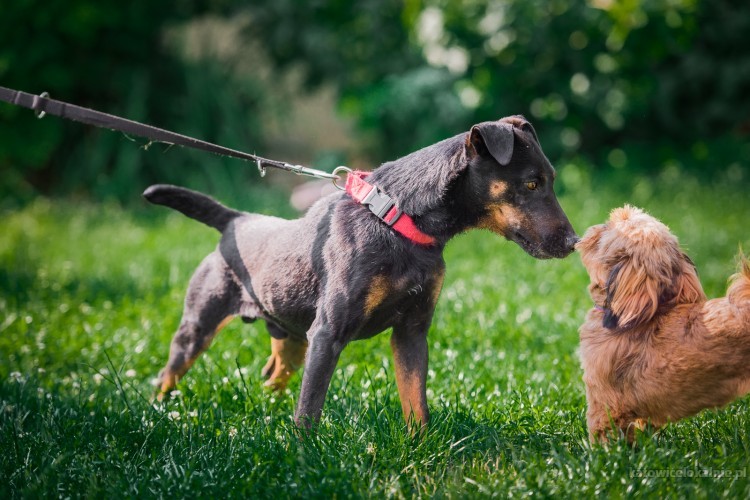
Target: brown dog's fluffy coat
[{"x": 654, "y": 349}]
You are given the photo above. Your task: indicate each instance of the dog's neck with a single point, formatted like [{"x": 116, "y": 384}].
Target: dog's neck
[
  {"x": 419, "y": 181},
  {"x": 431, "y": 186},
  {"x": 456, "y": 214}
]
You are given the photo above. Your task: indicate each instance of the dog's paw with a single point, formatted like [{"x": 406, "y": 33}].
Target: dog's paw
[{"x": 164, "y": 386}]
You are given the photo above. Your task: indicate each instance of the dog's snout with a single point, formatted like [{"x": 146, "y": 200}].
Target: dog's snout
[
  {"x": 571, "y": 241},
  {"x": 560, "y": 243}
]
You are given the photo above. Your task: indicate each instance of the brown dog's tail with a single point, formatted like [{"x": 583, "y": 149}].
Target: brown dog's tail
[
  {"x": 739, "y": 287},
  {"x": 195, "y": 205}
]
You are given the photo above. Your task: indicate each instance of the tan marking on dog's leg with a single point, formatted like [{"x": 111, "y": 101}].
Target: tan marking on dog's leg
[
  {"x": 379, "y": 289},
  {"x": 410, "y": 362},
  {"x": 170, "y": 376},
  {"x": 287, "y": 356},
  {"x": 437, "y": 287},
  {"x": 412, "y": 402}
]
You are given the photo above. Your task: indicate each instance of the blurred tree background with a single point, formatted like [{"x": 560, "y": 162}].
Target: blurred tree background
[{"x": 631, "y": 85}]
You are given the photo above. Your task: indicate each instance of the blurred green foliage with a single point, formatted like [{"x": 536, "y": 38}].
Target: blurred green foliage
[
  {"x": 592, "y": 74},
  {"x": 642, "y": 84},
  {"x": 113, "y": 56}
]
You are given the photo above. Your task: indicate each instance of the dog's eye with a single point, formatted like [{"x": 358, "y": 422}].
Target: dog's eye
[{"x": 531, "y": 185}]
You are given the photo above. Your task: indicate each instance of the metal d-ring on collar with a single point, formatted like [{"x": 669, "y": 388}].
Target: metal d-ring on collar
[{"x": 335, "y": 176}]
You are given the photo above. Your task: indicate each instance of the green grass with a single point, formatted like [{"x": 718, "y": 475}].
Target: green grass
[{"x": 90, "y": 296}]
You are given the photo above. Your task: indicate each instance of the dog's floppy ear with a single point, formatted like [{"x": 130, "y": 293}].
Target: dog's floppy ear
[
  {"x": 610, "y": 318},
  {"x": 635, "y": 291},
  {"x": 528, "y": 127},
  {"x": 491, "y": 139},
  {"x": 632, "y": 296},
  {"x": 520, "y": 122}
]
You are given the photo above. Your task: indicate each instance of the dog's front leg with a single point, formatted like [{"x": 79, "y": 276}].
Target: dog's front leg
[
  {"x": 409, "y": 345},
  {"x": 322, "y": 355},
  {"x": 410, "y": 355}
]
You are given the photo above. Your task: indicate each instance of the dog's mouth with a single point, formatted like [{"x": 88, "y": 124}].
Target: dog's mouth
[
  {"x": 533, "y": 249},
  {"x": 537, "y": 249}
]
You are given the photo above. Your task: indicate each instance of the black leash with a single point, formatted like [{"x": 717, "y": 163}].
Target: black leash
[{"x": 42, "y": 104}]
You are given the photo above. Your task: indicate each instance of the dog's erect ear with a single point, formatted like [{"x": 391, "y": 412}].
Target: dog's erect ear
[
  {"x": 632, "y": 296},
  {"x": 491, "y": 139}
]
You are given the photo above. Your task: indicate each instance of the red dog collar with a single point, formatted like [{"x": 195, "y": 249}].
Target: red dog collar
[{"x": 384, "y": 207}]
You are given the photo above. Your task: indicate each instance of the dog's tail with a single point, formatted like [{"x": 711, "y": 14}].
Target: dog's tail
[
  {"x": 195, "y": 205},
  {"x": 738, "y": 292}
]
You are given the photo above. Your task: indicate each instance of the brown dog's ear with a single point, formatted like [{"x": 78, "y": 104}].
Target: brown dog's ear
[
  {"x": 610, "y": 318},
  {"x": 632, "y": 297},
  {"x": 635, "y": 292},
  {"x": 491, "y": 139}
]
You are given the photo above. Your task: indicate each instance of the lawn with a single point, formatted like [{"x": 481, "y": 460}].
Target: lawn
[{"x": 91, "y": 294}]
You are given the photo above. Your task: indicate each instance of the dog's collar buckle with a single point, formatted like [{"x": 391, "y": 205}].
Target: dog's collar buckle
[
  {"x": 384, "y": 207},
  {"x": 381, "y": 205}
]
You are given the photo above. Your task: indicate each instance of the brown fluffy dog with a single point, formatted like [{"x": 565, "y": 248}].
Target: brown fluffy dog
[{"x": 654, "y": 349}]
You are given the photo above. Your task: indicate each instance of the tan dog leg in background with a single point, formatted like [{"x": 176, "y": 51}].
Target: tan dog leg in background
[{"x": 287, "y": 356}]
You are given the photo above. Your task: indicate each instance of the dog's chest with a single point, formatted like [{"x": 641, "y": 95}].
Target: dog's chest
[{"x": 389, "y": 302}]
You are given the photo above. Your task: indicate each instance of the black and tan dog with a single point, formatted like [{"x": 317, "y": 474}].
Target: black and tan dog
[{"x": 343, "y": 273}]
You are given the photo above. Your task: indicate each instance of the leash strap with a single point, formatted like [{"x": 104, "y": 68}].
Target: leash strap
[
  {"x": 379, "y": 203},
  {"x": 42, "y": 104},
  {"x": 384, "y": 207}
]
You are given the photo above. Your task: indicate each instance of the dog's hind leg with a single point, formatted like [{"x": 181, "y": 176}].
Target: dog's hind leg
[
  {"x": 212, "y": 301},
  {"x": 287, "y": 356}
]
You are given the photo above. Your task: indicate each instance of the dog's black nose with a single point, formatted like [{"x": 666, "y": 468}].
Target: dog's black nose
[{"x": 571, "y": 240}]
